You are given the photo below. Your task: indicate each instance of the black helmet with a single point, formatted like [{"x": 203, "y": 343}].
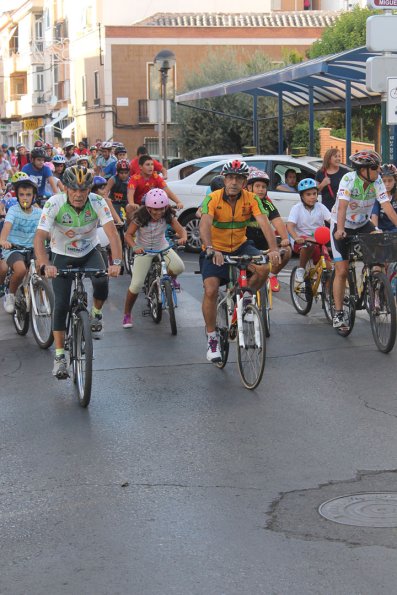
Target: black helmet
[
  {"x": 365, "y": 159},
  {"x": 217, "y": 183},
  {"x": 37, "y": 153},
  {"x": 78, "y": 177},
  {"x": 237, "y": 167},
  {"x": 388, "y": 169}
]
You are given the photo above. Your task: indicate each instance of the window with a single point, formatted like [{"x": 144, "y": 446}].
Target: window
[
  {"x": 83, "y": 90},
  {"x": 14, "y": 41},
  {"x": 39, "y": 79},
  {"x": 38, "y": 32},
  {"x": 96, "y": 84},
  {"x": 279, "y": 174},
  {"x": 18, "y": 84},
  {"x": 47, "y": 18},
  {"x": 154, "y": 83},
  {"x": 206, "y": 179}
]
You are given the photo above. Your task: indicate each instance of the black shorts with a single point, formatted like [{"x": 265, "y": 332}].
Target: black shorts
[
  {"x": 209, "y": 269},
  {"x": 15, "y": 256},
  {"x": 340, "y": 248}
]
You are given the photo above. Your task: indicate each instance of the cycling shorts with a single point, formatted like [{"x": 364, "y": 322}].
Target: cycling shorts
[
  {"x": 209, "y": 269},
  {"x": 340, "y": 248}
]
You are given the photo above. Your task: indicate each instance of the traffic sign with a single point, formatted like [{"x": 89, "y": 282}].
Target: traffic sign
[
  {"x": 391, "y": 100},
  {"x": 381, "y": 33},
  {"x": 385, "y": 4},
  {"x": 378, "y": 70}
]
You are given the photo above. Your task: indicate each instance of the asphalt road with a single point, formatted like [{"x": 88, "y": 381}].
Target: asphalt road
[{"x": 177, "y": 480}]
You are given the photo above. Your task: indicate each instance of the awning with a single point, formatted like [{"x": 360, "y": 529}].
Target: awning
[
  {"x": 63, "y": 113},
  {"x": 68, "y": 131}
]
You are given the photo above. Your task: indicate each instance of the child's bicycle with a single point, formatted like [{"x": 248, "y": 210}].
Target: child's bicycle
[
  {"x": 370, "y": 290},
  {"x": 315, "y": 286},
  {"x": 34, "y": 301},
  {"x": 160, "y": 291},
  {"x": 78, "y": 336},
  {"x": 238, "y": 317}
]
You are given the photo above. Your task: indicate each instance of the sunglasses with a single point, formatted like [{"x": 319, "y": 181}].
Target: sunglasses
[{"x": 374, "y": 167}]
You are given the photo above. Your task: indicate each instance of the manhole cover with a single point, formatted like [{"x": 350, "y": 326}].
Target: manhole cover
[{"x": 362, "y": 510}]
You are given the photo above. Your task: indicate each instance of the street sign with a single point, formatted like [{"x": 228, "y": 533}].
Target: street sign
[
  {"x": 378, "y": 70},
  {"x": 385, "y": 4},
  {"x": 381, "y": 33},
  {"x": 391, "y": 100}
]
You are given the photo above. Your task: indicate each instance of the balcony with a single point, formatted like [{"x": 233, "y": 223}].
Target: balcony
[
  {"x": 148, "y": 111},
  {"x": 15, "y": 63}
]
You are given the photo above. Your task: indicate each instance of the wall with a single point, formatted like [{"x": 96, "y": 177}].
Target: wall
[{"x": 332, "y": 142}]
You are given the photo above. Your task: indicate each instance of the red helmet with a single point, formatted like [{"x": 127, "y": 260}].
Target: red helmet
[{"x": 123, "y": 164}]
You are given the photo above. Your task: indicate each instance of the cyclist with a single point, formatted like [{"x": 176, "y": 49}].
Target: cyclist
[
  {"x": 224, "y": 219},
  {"x": 70, "y": 155},
  {"x": 5, "y": 170},
  {"x": 84, "y": 161},
  {"x": 351, "y": 213},
  {"x": 150, "y": 225},
  {"x": 258, "y": 183},
  {"x": 303, "y": 220},
  {"x": 19, "y": 228},
  {"x": 388, "y": 174},
  {"x": 105, "y": 162},
  {"x": 117, "y": 186},
  {"x": 59, "y": 162},
  {"x": 71, "y": 220},
  {"x": 135, "y": 166},
  {"x": 40, "y": 172}
]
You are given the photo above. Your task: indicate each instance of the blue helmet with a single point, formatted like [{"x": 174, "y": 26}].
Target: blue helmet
[
  {"x": 306, "y": 184},
  {"x": 99, "y": 181}
]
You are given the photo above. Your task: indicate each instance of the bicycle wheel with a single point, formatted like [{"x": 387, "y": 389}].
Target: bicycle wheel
[
  {"x": 301, "y": 294},
  {"x": 83, "y": 353},
  {"x": 223, "y": 331},
  {"x": 21, "y": 314},
  {"x": 382, "y": 312},
  {"x": 156, "y": 307},
  {"x": 251, "y": 348},
  {"x": 349, "y": 308},
  {"x": 326, "y": 295},
  {"x": 41, "y": 313},
  {"x": 264, "y": 307},
  {"x": 170, "y": 305},
  {"x": 128, "y": 258}
]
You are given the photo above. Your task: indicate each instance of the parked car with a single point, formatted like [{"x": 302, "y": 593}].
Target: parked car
[
  {"x": 187, "y": 168},
  {"x": 192, "y": 189}
]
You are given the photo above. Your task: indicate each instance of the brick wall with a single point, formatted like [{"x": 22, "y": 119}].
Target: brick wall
[{"x": 332, "y": 142}]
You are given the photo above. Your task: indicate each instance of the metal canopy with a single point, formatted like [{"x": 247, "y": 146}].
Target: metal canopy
[{"x": 328, "y": 82}]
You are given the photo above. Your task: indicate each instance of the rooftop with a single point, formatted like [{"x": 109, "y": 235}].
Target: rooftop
[{"x": 313, "y": 18}]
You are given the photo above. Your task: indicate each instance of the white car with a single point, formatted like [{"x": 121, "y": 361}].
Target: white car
[
  {"x": 183, "y": 170},
  {"x": 192, "y": 189}
]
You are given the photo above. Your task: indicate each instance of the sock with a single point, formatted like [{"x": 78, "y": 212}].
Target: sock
[
  {"x": 59, "y": 352},
  {"x": 96, "y": 312},
  {"x": 212, "y": 335}
]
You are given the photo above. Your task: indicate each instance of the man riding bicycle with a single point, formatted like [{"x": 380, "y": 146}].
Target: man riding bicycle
[
  {"x": 71, "y": 220},
  {"x": 351, "y": 214},
  {"x": 225, "y": 216}
]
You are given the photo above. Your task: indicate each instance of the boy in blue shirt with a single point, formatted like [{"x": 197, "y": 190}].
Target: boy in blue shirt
[
  {"x": 19, "y": 229},
  {"x": 39, "y": 172}
]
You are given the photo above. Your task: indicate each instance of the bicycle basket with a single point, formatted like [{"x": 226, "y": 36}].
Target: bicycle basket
[{"x": 378, "y": 248}]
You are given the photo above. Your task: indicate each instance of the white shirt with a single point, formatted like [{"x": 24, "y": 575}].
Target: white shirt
[{"x": 307, "y": 220}]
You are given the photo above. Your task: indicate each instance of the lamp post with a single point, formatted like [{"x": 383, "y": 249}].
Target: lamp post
[{"x": 164, "y": 61}]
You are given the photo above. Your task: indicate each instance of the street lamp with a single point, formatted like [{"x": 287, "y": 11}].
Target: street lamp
[{"x": 164, "y": 61}]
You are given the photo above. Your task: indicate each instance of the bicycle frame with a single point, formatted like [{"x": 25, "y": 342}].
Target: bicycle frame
[{"x": 161, "y": 275}]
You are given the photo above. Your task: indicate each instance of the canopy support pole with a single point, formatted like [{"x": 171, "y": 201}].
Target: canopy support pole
[
  {"x": 255, "y": 123},
  {"x": 311, "y": 121},
  {"x": 348, "y": 121},
  {"x": 280, "y": 124}
]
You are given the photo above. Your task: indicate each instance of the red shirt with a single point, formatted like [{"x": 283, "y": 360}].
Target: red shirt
[
  {"x": 143, "y": 185},
  {"x": 82, "y": 151},
  {"x": 134, "y": 166}
]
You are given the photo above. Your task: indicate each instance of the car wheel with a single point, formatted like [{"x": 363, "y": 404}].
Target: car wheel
[{"x": 191, "y": 223}]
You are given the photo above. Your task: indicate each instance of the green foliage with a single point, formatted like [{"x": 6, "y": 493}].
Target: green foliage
[{"x": 300, "y": 137}]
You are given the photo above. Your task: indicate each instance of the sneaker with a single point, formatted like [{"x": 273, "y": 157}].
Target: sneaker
[
  {"x": 338, "y": 320},
  {"x": 213, "y": 352},
  {"x": 274, "y": 284},
  {"x": 127, "y": 321},
  {"x": 9, "y": 303},
  {"x": 96, "y": 325},
  {"x": 299, "y": 275},
  {"x": 60, "y": 369}
]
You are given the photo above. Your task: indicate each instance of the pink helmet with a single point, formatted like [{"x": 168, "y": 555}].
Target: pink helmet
[
  {"x": 156, "y": 199},
  {"x": 50, "y": 165}
]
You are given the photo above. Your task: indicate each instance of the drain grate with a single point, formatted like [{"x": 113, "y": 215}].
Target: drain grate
[{"x": 377, "y": 509}]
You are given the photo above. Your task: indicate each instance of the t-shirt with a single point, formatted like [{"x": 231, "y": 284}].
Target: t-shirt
[
  {"x": 134, "y": 166},
  {"x": 143, "y": 185},
  {"x": 23, "y": 228},
  {"x": 307, "y": 220},
  {"x": 328, "y": 198},
  {"x": 5, "y": 169},
  {"x": 384, "y": 222},
  {"x": 360, "y": 201},
  {"x": 72, "y": 233},
  {"x": 39, "y": 175},
  {"x": 271, "y": 212},
  {"x": 118, "y": 192},
  {"x": 72, "y": 160},
  {"x": 286, "y": 188},
  {"x": 228, "y": 228},
  {"x": 107, "y": 166},
  {"x": 152, "y": 235}
]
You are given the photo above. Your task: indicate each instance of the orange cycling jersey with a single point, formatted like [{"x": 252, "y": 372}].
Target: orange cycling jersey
[{"x": 228, "y": 227}]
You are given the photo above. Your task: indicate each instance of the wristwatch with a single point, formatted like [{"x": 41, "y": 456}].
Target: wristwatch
[{"x": 117, "y": 262}]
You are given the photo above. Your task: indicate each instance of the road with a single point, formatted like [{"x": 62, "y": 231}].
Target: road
[{"x": 177, "y": 480}]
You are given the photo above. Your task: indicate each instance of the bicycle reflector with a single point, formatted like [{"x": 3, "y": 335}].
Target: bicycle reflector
[{"x": 322, "y": 235}]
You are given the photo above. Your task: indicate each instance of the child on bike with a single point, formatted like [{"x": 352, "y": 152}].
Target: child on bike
[
  {"x": 150, "y": 224},
  {"x": 258, "y": 183},
  {"x": 303, "y": 220},
  {"x": 19, "y": 229},
  {"x": 388, "y": 173}
]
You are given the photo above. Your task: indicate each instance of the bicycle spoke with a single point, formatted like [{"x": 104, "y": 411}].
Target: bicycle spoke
[{"x": 251, "y": 347}]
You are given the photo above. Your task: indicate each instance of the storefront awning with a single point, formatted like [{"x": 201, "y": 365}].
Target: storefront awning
[
  {"x": 68, "y": 131},
  {"x": 63, "y": 113}
]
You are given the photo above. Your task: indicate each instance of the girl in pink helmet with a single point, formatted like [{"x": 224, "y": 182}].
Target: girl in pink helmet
[{"x": 147, "y": 232}]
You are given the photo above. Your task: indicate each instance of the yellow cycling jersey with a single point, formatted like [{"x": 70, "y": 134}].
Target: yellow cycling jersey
[{"x": 228, "y": 227}]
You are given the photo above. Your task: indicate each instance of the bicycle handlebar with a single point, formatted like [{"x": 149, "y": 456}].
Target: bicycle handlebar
[
  {"x": 177, "y": 246},
  {"x": 81, "y": 271}
]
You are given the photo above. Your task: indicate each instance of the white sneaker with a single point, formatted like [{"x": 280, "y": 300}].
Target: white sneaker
[
  {"x": 299, "y": 275},
  {"x": 9, "y": 303},
  {"x": 213, "y": 352}
]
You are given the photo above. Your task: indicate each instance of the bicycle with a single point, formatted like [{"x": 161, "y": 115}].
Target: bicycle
[
  {"x": 159, "y": 290},
  {"x": 78, "y": 337},
  {"x": 264, "y": 298},
  {"x": 315, "y": 286},
  {"x": 34, "y": 302},
  {"x": 372, "y": 292},
  {"x": 238, "y": 317}
]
